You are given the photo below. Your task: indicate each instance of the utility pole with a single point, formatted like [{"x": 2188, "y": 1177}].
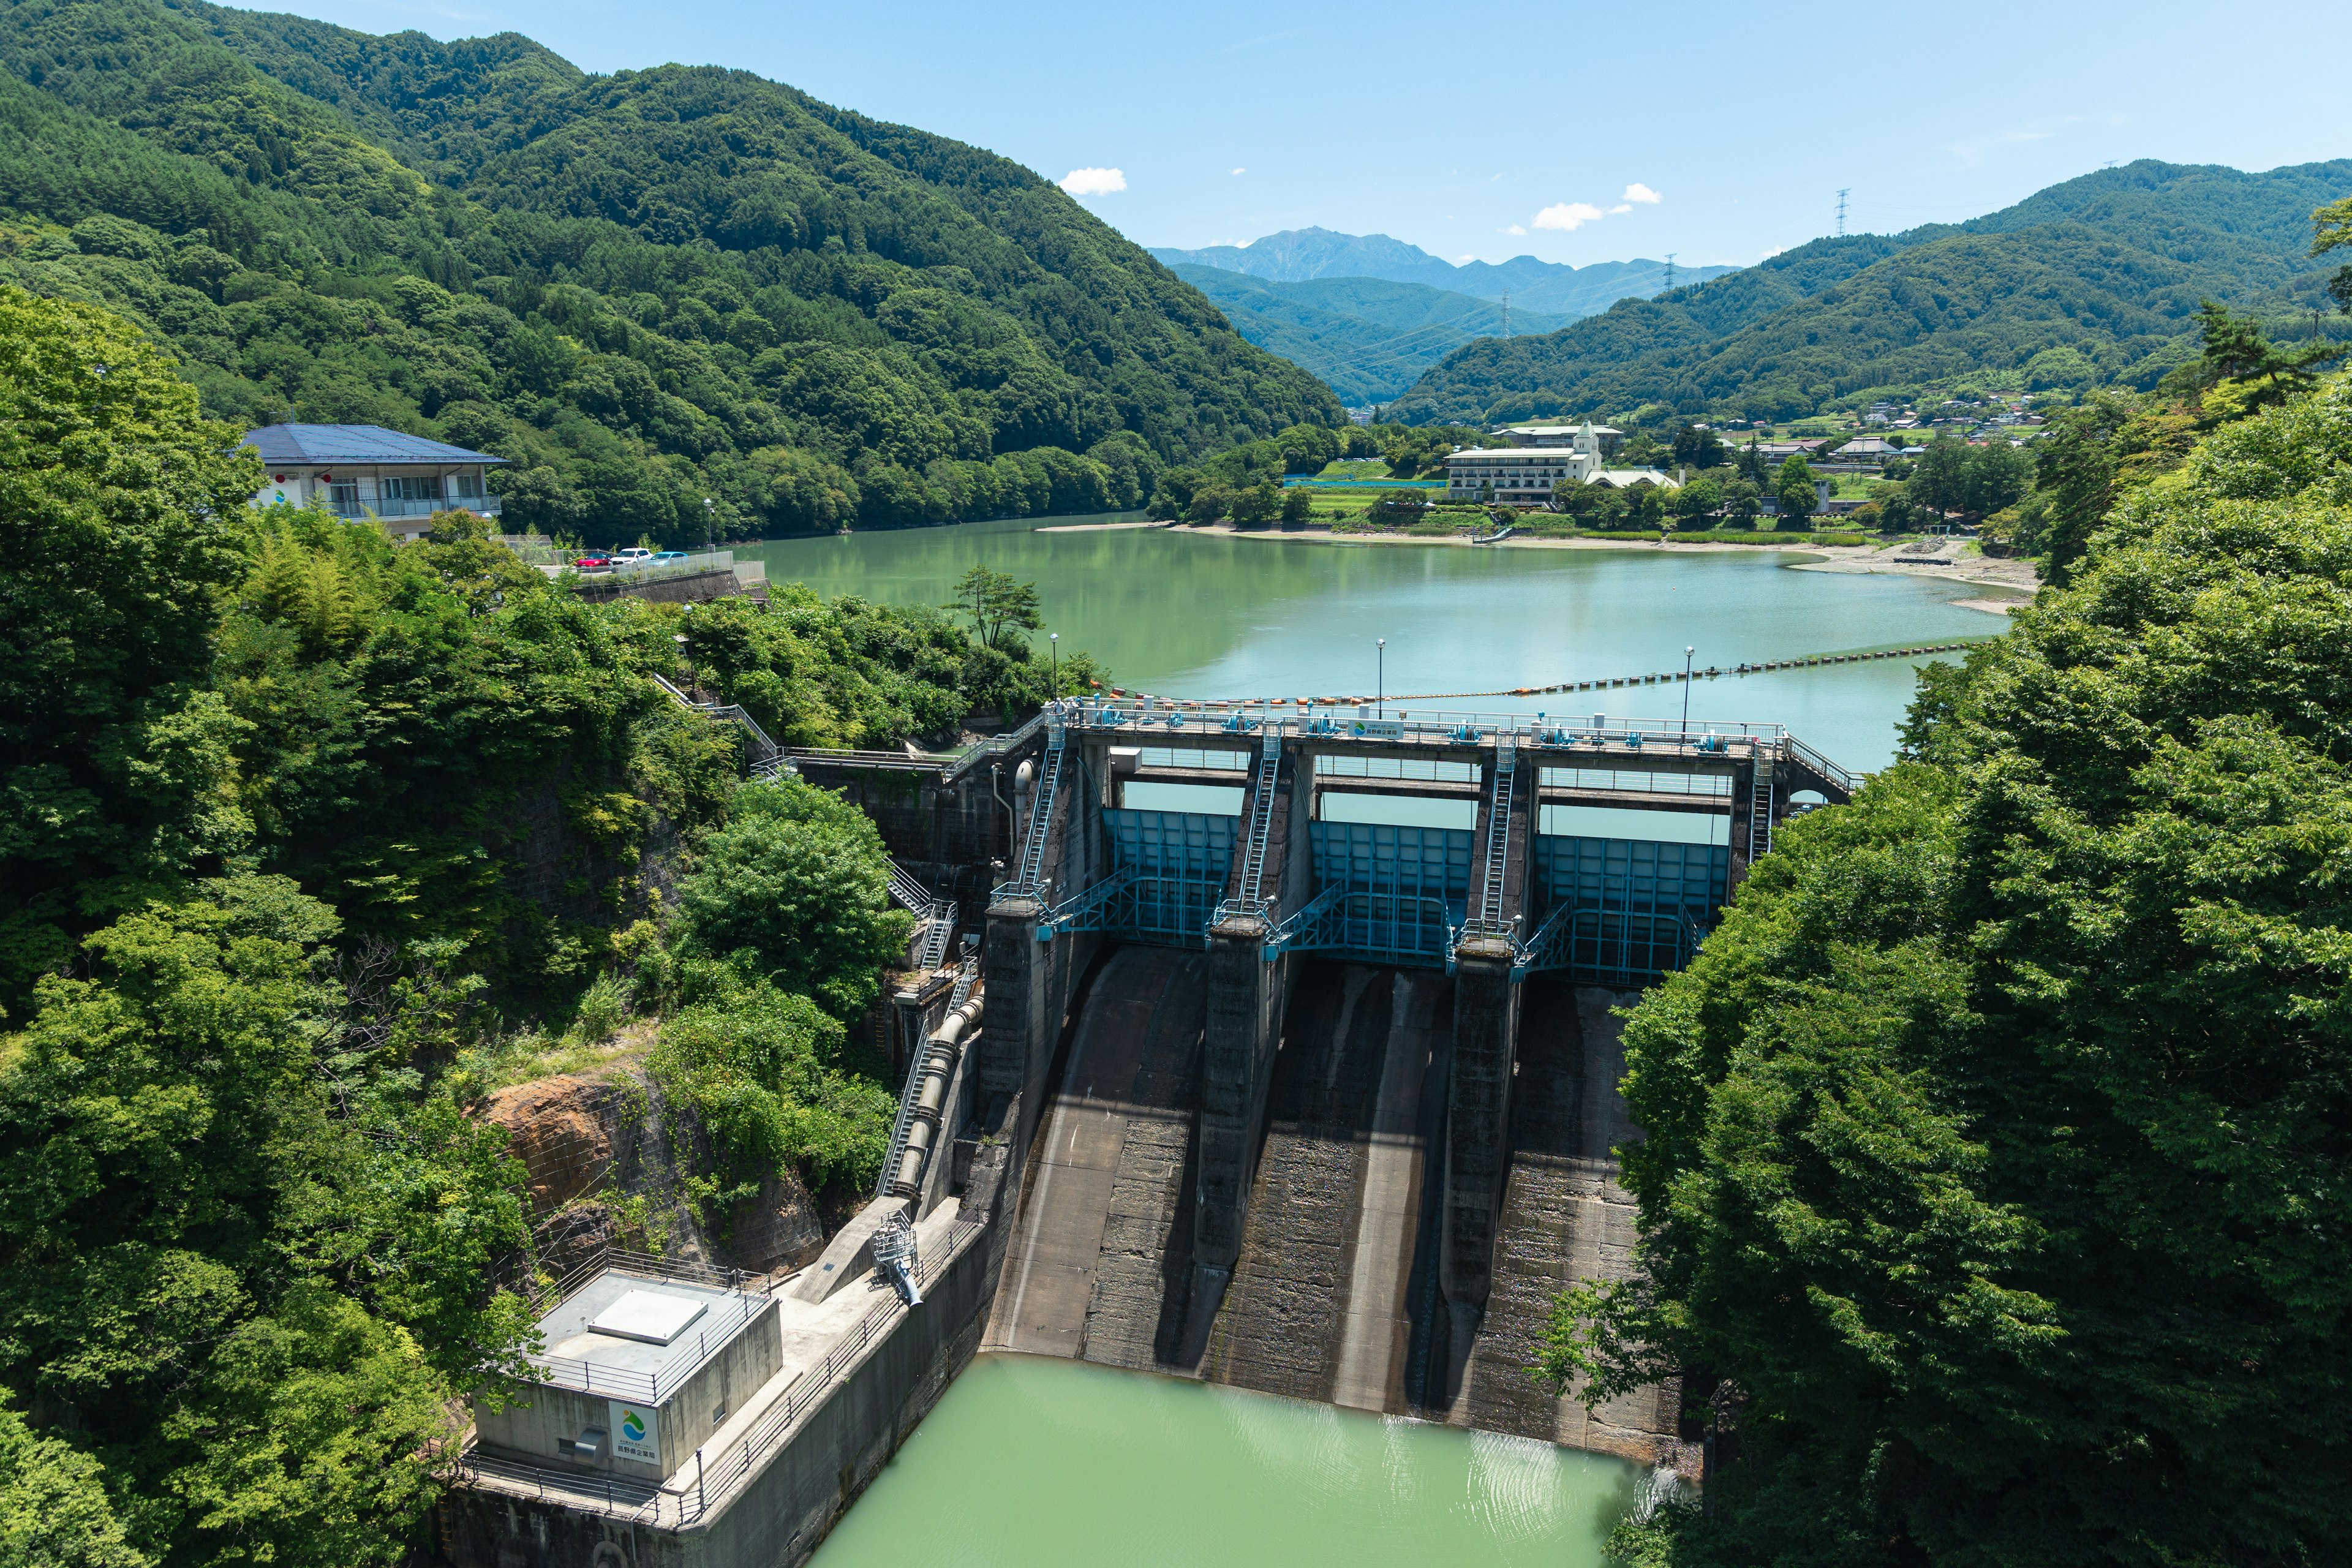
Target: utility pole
[
  {"x": 1381, "y": 679},
  {"x": 1842, "y": 196},
  {"x": 1688, "y": 653},
  {"x": 1670, "y": 272}
]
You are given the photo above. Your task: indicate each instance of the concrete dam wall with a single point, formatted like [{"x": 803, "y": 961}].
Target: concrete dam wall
[{"x": 1334, "y": 1296}]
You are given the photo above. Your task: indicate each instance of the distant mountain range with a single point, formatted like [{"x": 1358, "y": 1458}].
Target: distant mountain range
[
  {"x": 1551, "y": 287},
  {"x": 1369, "y": 338},
  {"x": 1369, "y": 313},
  {"x": 2088, "y": 283}
]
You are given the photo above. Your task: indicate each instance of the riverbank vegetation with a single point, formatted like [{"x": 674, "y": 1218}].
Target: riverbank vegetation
[
  {"x": 1991, "y": 1202},
  {"x": 313, "y": 839},
  {"x": 645, "y": 290}
]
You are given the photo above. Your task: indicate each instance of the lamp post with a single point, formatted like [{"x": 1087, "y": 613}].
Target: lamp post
[
  {"x": 1054, "y": 679},
  {"x": 710, "y": 508},
  {"x": 1380, "y": 678},
  {"x": 1687, "y": 652},
  {"x": 686, "y": 654}
]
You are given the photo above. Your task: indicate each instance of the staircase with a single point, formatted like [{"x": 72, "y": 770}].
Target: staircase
[
  {"x": 1759, "y": 821},
  {"x": 1029, "y": 876},
  {"x": 1252, "y": 899},
  {"x": 935, "y": 918},
  {"x": 1499, "y": 839}
]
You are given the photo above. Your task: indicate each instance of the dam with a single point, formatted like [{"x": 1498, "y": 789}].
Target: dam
[{"x": 1278, "y": 1101}]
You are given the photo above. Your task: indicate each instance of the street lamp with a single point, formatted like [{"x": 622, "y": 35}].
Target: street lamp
[
  {"x": 1688, "y": 653},
  {"x": 1054, "y": 680},
  {"x": 709, "y": 508},
  {"x": 1380, "y": 678}
]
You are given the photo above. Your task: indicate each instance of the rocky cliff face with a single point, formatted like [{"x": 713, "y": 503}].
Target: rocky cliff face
[{"x": 604, "y": 1157}]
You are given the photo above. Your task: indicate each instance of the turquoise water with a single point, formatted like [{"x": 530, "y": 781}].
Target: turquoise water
[
  {"x": 1186, "y": 615},
  {"x": 1049, "y": 1464}
]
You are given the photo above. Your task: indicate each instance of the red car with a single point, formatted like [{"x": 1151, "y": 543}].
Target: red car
[{"x": 595, "y": 563}]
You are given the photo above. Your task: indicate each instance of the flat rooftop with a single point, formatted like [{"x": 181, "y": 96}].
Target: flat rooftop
[{"x": 639, "y": 1335}]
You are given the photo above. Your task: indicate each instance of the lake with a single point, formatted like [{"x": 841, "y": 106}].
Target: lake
[{"x": 1185, "y": 614}]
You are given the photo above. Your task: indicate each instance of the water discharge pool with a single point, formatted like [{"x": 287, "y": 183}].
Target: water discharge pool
[
  {"x": 1053, "y": 1464},
  {"x": 1187, "y": 615}
]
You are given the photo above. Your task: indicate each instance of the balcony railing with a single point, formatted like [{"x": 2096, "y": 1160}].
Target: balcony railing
[{"x": 480, "y": 506}]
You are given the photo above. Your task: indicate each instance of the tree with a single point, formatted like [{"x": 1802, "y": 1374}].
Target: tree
[
  {"x": 1752, "y": 464},
  {"x": 1700, "y": 449},
  {"x": 997, "y": 605},
  {"x": 2332, "y": 229},
  {"x": 1696, "y": 499},
  {"x": 235, "y": 1247},
  {"x": 1261, "y": 502},
  {"x": 2088, "y": 456},
  {"x": 123, "y": 507},
  {"x": 1792, "y": 485},
  {"x": 795, "y": 888},
  {"x": 1397, "y": 508},
  {"x": 1939, "y": 478},
  {"x": 2006, "y": 1250},
  {"x": 1297, "y": 504},
  {"x": 1742, "y": 504}
]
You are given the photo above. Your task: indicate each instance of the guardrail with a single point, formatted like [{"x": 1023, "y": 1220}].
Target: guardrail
[{"x": 587, "y": 1377}]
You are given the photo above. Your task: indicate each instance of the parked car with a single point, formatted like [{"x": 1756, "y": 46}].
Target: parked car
[
  {"x": 595, "y": 563},
  {"x": 632, "y": 557},
  {"x": 667, "y": 556}
]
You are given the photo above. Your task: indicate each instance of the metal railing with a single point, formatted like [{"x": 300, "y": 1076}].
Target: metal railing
[
  {"x": 1029, "y": 876},
  {"x": 726, "y": 1315},
  {"x": 1251, "y": 899},
  {"x": 1489, "y": 921},
  {"x": 766, "y": 755}
]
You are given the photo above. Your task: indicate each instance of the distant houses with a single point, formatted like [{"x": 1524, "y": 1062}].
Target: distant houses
[{"x": 366, "y": 470}]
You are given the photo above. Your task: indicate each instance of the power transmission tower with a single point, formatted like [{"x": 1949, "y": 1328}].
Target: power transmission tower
[
  {"x": 1670, "y": 272},
  {"x": 1842, "y": 196},
  {"x": 1506, "y": 313}
]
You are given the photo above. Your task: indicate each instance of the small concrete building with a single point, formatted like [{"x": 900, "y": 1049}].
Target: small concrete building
[
  {"x": 639, "y": 1369},
  {"x": 366, "y": 470}
]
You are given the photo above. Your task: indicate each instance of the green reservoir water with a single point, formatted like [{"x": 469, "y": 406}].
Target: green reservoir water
[
  {"x": 1184, "y": 615},
  {"x": 1049, "y": 1464}
]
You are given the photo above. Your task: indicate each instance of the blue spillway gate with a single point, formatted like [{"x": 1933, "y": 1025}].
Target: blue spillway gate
[{"x": 1607, "y": 909}]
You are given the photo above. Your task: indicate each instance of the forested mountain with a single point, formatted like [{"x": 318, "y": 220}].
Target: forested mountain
[
  {"x": 1551, "y": 287},
  {"x": 2088, "y": 283},
  {"x": 645, "y": 289},
  {"x": 1370, "y": 339}
]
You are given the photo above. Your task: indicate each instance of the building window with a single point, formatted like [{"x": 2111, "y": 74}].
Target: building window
[
  {"x": 344, "y": 497},
  {"x": 467, "y": 487},
  {"x": 412, "y": 490}
]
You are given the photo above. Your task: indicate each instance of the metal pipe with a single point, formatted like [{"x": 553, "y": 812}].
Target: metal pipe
[{"x": 936, "y": 1066}]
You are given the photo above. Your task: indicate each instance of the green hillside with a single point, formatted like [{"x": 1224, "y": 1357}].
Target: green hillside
[
  {"x": 2088, "y": 283},
  {"x": 645, "y": 289},
  {"x": 1370, "y": 339}
]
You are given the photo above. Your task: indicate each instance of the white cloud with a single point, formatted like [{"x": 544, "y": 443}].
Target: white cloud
[
  {"x": 1568, "y": 215},
  {"x": 1093, "y": 182},
  {"x": 1241, "y": 171},
  {"x": 1516, "y": 228},
  {"x": 1620, "y": 207},
  {"x": 1638, "y": 192}
]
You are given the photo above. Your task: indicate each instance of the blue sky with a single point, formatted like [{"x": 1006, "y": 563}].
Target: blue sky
[{"x": 1719, "y": 132}]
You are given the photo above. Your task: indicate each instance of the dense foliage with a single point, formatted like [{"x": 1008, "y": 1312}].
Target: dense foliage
[
  {"x": 307, "y": 829},
  {"x": 644, "y": 291},
  {"x": 1997, "y": 1142},
  {"x": 2093, "y": 282}
]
